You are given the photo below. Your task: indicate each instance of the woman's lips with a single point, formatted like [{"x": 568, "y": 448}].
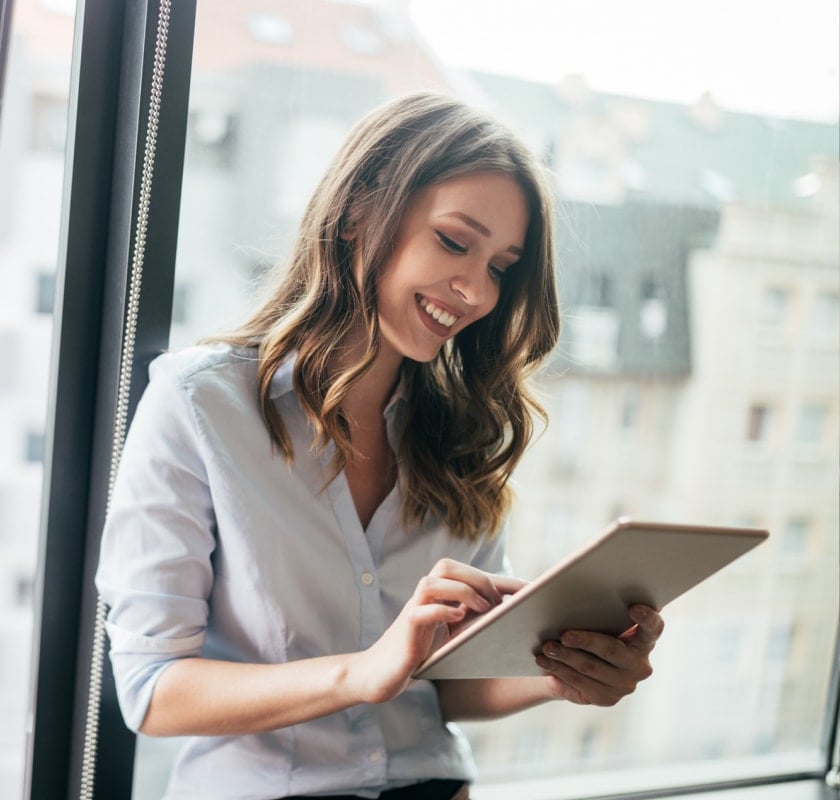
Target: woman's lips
[{"x": 445, "y": 319}]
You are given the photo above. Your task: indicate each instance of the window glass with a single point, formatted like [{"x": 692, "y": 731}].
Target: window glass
[
  {"x": 758, "y": 423},
  {"x": 683, "y": 235},
  {"x": 826, "y": 319},
  {"x": 795, "y": 539},
  {"x": 774, "y": 306},
  {"x": 812, "y": 419},
  {"x": 33, "y": 127}
]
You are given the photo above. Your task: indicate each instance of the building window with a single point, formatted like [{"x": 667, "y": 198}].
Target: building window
[
  {"x": 599, "y": 290},
  {"x": 758, "y": 422},
  {"x": 778, "y": 644},
  {"x": 653, "y": 313},
  {"x": 33, "y": 447},
  {"x": 630, "y": 408},
  {"x": 270, "y": 28},
  {"x": 653, "y": 317},
  {"x": 306, "y": 143},
  {"x": 362, "y": 40},
  {"x": 811, "y": 425},
  {"x": 825, "y": 321},
  {"x": 795, "y": 536},
  {"x": 49, "y": 123},
  {"x": 44, "y": 292},
  {"x": 649, "y": 289},
  {"x": 180, "y": 304},
  {"x": 774, "y": 307},
  {"x": 211, "y": 138},
  {"x": 23, "y": 591}
]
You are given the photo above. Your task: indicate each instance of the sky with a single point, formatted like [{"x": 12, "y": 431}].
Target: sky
[{"x": 774, "y": 57}]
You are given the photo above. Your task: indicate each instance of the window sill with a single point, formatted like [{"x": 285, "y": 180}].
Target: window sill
[
  {"x": 807, "y": 789},
  {"x": 778, "y": 776}
]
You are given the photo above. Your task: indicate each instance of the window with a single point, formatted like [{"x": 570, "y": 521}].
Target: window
[
  {"x": 774, "y": 307},
  {"x": 759, "y": 420},
  {"x": 45, "y": 292},
  {"x": 599, "y": 289},
  {"x": 34, "y": 446},
  {"x": 653, "y": 318},
  {"x": 212, "y": 137},
  {"x": 309, "y": 139},
  {"x": 811, "y": 427},
  {"x": 795, "y": 536},
  {"x": 49, "y": 123},
  {"x": 743, "y": 675},
  {"x": 270, "y": 28},
  {"x": 180, "y": 304},
  {"x": 825, "y": 322},
  {"x": 362, "y": 40},
  {"x": 34, "y": 87},
  {"x": 630, "y": 408},
  {"x": 23, "y": 591}
]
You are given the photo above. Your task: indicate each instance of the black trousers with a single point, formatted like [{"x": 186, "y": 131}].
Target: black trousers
[{"x": 427, "y": 790}]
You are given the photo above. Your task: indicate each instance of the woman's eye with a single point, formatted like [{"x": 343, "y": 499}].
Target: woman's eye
[
  {"x": 496, "y": 272},
  {"x": 451, "y": 244}
]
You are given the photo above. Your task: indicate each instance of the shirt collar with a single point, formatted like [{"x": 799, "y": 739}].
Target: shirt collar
[{"x": 282, "y": 382}]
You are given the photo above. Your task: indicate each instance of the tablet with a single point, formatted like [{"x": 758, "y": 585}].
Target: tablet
[{"x": 632, "y": 562}]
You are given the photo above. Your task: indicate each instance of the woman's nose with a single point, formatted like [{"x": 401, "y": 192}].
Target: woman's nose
[{"x": 471, "y": 286}]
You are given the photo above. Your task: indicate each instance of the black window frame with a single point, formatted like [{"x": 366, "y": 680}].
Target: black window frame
[{"x": 111, "y": 88}]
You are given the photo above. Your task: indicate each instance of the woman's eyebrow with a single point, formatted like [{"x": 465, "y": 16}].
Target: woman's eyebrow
[{"x": 482, "y": 229}]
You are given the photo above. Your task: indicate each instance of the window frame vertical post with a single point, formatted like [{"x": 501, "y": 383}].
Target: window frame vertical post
[{"x": 111, "y": 86}]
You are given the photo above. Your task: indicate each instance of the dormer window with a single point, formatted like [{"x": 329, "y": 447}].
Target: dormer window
[
  {"x": 362, "y": 40},
  {"x": 270, "y": 28}
]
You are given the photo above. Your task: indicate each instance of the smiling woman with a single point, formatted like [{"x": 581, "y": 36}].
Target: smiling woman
[
  {"x": 394, "y": 436},
  {"x": 448, "y": 264}
]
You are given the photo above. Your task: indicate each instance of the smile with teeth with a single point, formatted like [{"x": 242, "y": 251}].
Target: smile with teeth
[{"x": 438, "y": 314}]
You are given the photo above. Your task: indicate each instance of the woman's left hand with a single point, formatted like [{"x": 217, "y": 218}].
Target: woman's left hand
[{"x": 596, "y": 669}]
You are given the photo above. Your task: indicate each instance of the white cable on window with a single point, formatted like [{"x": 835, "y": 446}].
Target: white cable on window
[{"x": 91, "y": 740}]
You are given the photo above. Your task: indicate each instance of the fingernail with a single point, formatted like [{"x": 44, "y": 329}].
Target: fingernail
[
  {"x": 638, "y": 613},
  {"x": 552, "y": 649},
  {"x": 570, "y": 639}
]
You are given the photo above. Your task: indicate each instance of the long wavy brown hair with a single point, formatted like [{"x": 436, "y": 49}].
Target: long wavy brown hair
[{"x": 470, "y": 412}]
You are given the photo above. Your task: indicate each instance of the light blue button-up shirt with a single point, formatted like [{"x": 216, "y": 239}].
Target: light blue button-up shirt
[{"x": 215, "y": 546}]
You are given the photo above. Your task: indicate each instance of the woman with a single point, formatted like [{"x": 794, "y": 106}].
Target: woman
[{"x": 307, "y": 507}]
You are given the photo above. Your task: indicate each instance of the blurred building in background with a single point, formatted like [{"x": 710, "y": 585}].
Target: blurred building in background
[{"x": 697, "y": 376}]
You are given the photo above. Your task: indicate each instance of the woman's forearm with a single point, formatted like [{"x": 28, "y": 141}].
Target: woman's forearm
[
  {"x": 199, "y": 696},
  {"x": 488, "y": 698}
]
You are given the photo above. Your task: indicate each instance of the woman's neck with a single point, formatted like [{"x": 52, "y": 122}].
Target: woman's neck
[{"x": 369, "y": 396}]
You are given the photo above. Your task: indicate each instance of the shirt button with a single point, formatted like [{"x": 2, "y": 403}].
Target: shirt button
[
  {"x": 376, "y": 755},
  {"x": 367, "y": 578}
]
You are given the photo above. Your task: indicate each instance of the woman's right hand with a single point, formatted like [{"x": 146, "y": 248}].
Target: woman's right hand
[
  {"x": 451, "y": 594},
  {"x": 205, "y": 697}
]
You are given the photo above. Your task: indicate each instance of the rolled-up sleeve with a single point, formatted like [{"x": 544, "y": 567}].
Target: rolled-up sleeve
[{"x": 155, "y": 572}]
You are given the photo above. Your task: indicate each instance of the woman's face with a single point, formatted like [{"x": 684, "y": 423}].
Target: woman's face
[{"x": 455, "y": 242}]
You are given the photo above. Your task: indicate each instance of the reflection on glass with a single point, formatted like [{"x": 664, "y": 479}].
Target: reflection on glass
[
  {"x": 33, "y": 126},
  {"x": 683, "y": 238}
]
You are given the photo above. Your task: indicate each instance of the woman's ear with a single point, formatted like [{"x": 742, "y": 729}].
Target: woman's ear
[
  {"x": 354, "y": 217},
  {"x": 349, "y": 231}
]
